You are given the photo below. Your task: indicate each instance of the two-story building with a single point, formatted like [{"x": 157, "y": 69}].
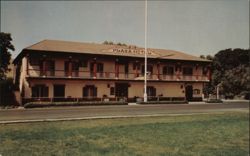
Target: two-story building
[{"x": 53, "y": 70}]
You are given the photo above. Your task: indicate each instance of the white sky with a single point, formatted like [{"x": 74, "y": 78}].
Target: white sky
[{"x": 194, "y": 26}]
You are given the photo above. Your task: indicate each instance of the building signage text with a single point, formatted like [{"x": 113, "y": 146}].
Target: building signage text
[{"x": 132, "y": 51}]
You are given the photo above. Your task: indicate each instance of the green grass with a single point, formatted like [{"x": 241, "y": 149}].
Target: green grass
[{"x": 216, "y": 134}]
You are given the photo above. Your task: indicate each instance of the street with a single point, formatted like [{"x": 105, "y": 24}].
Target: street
[{"x": 87, "y": 112}]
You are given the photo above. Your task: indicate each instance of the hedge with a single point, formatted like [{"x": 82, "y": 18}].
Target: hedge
[
  {"x": 214, "y": 101},
  {"x": 55, "y": 104},
  {"x": 163, "y": 102}
]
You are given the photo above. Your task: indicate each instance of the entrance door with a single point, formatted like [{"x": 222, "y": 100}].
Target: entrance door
[
  {"x": 121, "y": 90},
  {"x": 189, "y": 92}
]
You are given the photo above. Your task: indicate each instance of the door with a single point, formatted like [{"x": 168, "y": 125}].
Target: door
[
  {"x": 121, "y": 90},
  {"x": 189, "y": 92}
]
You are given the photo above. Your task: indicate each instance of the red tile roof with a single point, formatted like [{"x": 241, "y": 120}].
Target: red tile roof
[{"x": 103, "y": 49}]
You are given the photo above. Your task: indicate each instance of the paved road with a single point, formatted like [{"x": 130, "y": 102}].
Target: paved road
[{"x": 69, "y": 113}]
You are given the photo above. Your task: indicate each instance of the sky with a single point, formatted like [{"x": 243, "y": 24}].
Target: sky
[{"x": 196, "y": 27}]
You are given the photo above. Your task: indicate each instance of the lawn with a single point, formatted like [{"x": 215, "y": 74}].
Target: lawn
[{"x": 208, "y": 134}]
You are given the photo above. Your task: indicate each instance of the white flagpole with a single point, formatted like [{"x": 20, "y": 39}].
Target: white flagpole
[{"x": 145, "y": 52}]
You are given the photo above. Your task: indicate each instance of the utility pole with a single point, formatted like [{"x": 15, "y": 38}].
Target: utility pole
[
  {"x": 218, "y": 91},
  {"x": 145, "y": 53}
]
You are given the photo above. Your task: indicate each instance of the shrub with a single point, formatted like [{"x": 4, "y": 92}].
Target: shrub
[
  {"x": 214, "y": 101},
  {"x": 85, "y": 103}
]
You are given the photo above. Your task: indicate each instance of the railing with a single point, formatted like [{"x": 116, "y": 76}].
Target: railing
[{"x": 114, "y": 75}]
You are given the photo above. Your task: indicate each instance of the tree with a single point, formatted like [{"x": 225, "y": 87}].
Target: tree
[
  {"x": 231, "y": 68},
  {"x": 5, "y": 55},
  {"x": 105, "y": 42},
  {"x": 202, "y": 56}
]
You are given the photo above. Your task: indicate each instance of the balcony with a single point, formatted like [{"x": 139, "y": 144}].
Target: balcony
[{"x": 33, "y": 73}]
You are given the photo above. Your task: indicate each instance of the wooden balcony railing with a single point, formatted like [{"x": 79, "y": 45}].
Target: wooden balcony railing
[{"x": 114, "y": 75}]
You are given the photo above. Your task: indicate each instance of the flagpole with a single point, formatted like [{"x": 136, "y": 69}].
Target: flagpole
[{"x": 145, "y": 52}]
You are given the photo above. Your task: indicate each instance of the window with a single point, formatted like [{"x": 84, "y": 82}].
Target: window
[
  {"x": 89, "y": 91},
  {"x": 75, "y": 69},
  {"x": 75, "y": 66},
  {"x": 112, "y": 91},
  {"x": 204, "y": 70},
  {"x": 47, "y": 67},
  {"x": 136, "y": 66},
  {"x": 40, "y": 91},
  {"x": 151, "y": 91},
  {"x": 59, "y": 90},
  {"x": 83, "y": 63},
  {"x": 50, "y": 67},
  {"x": 168, "y": 70},
  {"x": 187, "y": 71},
  {"x": 196, "y": 91},
  {"x": 149, "y": 69},
  {"x": 34, "y": 61},
  {"x": 126, "y": 68},
  {"x": 66, "y": 68},
  {"x": 99, "y": 67}
]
